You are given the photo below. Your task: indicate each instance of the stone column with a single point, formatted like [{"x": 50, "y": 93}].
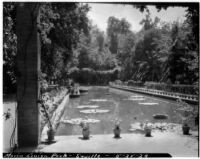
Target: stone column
[{"x": 28, "y": 63}]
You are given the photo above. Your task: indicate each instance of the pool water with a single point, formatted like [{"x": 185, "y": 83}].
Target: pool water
[{"x": 127, "y": 106}]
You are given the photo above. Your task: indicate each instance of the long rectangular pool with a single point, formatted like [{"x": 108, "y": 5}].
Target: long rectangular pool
[{"x": 102, "y": 105}]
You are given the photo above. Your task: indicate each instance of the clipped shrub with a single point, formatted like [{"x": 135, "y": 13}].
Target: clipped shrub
[{"x": 90, "y": 76}]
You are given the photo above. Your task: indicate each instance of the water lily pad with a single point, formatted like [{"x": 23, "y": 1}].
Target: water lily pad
[
  {"x": 87, "y": 106},
  {"x": 170, "y": 127},
  {"x": 94, "y": 111},
  {"x": 99, "y": 100},
  {"x": 167, "y": 127},
  {"x": 148, "y": 103},
  {"x": 136, "y": 126},
  {"x": 77, "y": 121},
  {"x": 160, "y": 116},
  {"x": 136, "y": 96},
  {"x": 135, "y": 99}
]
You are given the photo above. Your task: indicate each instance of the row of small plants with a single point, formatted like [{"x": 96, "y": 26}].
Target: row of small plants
[
  {"x": 187, "y": 117},
  {"x": 186, "y": 111},
  {"x": 86, "y": 129}
]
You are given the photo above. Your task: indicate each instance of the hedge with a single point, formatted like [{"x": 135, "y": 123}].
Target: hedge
[{"x": 92, "y": 77}]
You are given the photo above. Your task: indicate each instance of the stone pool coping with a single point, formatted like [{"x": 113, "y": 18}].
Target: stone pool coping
[{"x": 192, "y": 99}]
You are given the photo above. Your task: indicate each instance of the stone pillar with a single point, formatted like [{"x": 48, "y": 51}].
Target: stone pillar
[{"x": 28, "y": 63}]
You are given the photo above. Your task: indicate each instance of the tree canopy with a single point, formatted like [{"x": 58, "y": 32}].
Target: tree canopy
[{"x": 159, "y": 52}]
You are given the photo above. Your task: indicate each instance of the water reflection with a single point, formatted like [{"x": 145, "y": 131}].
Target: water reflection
[{"x": 116, "y": 105}]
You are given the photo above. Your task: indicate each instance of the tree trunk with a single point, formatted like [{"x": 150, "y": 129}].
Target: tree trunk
[{"x": 28, "y": 63}]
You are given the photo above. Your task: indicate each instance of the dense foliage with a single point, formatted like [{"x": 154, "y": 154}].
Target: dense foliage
[
  {"x": 72, "y": 46},
  {"x": 89, "y": 76},
  {"x": 60, "y": 26},
  {"x": 165, "y": 54},
  {"x": 9, "y": 47}
]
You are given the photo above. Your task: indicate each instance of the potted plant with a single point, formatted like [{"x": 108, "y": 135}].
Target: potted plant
[
  {"x": 147, "y": 129},
  {"x": 50, "y": 134},
  {"x": 117, "y": 129},
  {"x": 85, "y": 130},
  {"x": 185, "y": 129},
  {"x": 187, "y": 115},
  {"x": 50, "y": 131}
]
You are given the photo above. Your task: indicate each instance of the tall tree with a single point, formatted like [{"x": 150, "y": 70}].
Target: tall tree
[
  {"x": 61, "y": 25},
  {"x": 146, "y": 61},
  {"x": 115, "y": 28}
]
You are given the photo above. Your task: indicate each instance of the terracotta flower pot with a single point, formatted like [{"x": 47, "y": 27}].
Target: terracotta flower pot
[
  {"x": 50, "y": 134},
  {"x": 147, "y": 132},
  {"x": 86, "y": 133},
  {"x": 116, "y": 132},
  {"x": 185, "y": 129}
]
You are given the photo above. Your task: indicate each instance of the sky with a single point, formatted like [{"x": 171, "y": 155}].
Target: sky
[{"x": 99, "y": 14}]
